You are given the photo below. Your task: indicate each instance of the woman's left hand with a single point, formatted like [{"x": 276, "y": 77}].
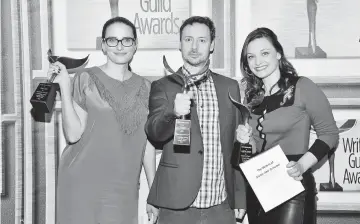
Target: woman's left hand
[
  {"x": 295, "y": 170},
  {"x": 152, "y": 213}
]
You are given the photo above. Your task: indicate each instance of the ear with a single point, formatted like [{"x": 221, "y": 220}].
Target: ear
[
  {"x": 278, "y": 55},
  {"x": 180, "y": 45},
  {"x": 103, "y": 47},
  {"x": 136, "y": 45},
  {"x": 212, "y": 47}
]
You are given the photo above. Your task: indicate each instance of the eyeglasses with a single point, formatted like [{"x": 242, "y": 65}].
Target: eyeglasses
[{"x": 113, "y": 41}]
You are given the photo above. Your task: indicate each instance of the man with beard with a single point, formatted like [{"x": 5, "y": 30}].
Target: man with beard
[{"x": 198, "y": 185}]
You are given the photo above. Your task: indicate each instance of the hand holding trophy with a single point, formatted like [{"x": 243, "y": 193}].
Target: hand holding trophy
[
  {"x": 182, "y": 125},
  {"x": 245, "y": 151},
  {"x": 44, "y": 96}
]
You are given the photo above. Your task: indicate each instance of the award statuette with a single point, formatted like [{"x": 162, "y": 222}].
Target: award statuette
[
  {"x": 241, "y": 152},
  {"x": 43, "y": 98},
  {"x": 312, "y": 50},
  {"x": 182, "y": 129},
  {"x": 182, "y": 125},
  {"x": 332, "y": 185}
]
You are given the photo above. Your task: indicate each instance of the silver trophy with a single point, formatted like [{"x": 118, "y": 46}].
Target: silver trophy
[
  {"x": 242, "y": 152},
  {"x": 182, "y": 124}
]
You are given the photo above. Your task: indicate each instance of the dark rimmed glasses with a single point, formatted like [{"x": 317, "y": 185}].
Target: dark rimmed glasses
[{"x": 113, "y": 41}]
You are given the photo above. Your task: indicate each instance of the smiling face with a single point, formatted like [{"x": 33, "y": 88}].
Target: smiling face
[
  {"x": 119, "y": 54},
  {"x": 262, "y": 57},
  {"x": 196, "y": 44}
]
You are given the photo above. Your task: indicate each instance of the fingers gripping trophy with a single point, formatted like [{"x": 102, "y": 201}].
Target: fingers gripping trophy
[
  {"x": 44, "y": 96},
  {"x": 182, "y": 124}
]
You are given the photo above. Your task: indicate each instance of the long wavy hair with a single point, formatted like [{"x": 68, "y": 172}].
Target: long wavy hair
[{"x": 254, "y": 93}]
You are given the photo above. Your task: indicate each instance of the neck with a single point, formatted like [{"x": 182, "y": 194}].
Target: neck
[
  {"x": 116, "y": 71},
  {"x": 270, "y": 81}
]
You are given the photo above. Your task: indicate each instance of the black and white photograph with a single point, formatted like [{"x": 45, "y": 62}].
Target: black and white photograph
[{"x": 180, "y": 111}]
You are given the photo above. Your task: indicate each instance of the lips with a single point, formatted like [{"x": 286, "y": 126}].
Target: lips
[
  {"x": 260, "y": 68},
  {"x": 120, "y": 54},
  {"x": 194, "y": 55}
]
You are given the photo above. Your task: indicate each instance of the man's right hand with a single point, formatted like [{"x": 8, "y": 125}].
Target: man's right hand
[
  {"x": 182, "y": 104},
  {"x": 243, "y": 133}
]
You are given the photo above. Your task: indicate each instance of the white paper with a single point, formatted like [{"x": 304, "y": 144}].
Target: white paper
[{"x": 268, "y": 177}]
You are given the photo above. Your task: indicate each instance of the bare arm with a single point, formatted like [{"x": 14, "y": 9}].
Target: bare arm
[
  {"x": 149, "y": 163},
  {"x": 73, "y": 116}
]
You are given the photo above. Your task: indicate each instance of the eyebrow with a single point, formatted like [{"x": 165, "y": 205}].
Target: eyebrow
[
  {"x": 118, "y": 38},
  {"x": 194, "y": 37},
  {"x": 265, "y": 49}
]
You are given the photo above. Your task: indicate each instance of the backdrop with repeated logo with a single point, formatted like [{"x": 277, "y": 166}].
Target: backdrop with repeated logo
[{"x": 157, "y": 21}]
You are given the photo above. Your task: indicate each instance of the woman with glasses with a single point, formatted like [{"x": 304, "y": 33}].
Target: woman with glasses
[
  {"x": 283, "y": 107},
  {"x": 104, "y": 109}
]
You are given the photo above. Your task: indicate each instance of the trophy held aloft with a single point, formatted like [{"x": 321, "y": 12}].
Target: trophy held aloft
[
  {"x": 182, "y": 124},
  {"x": 182, "y": 130},
  {"x": 43, "y": 98}
]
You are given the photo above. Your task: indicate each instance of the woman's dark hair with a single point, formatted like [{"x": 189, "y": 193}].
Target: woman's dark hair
[
  {"x": 119, "y": 19},
  {"x": 254, "y": 86}
]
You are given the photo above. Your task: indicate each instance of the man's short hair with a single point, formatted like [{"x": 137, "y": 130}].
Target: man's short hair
[{"x": 202, "y": 20}]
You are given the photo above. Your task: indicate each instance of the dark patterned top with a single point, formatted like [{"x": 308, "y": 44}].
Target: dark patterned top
[{"x": 286, "y": 118}]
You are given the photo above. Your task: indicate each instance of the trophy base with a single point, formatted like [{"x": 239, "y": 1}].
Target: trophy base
[
  {"x": 182, "y": 132},
  {"x": 305, "y": 52},
  {"x": 182, "y": 149},
  {"x": 44, "y": 97},
  {"x": 42, "y": 107},
  {"x": 241, "y": 153},
  {"x": 41, "y": 116},
  {"x": 329, "y": 187}
]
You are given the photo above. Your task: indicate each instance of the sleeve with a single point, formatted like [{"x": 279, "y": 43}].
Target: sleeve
[
  {"x": 79, "y": 84},
  {"x": 161, "y": 119},
  {"x": 236, "y": 95},
  {"x": 146, "y": 93},
  {"x": 321, "y": 118},
  {"x": 240, "y": 189}
]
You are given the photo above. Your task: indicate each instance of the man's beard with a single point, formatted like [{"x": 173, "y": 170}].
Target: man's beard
[{"x": 197, "y": 61}]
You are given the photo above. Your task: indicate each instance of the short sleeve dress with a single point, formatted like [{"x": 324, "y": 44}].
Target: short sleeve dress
[{"x": 98, "y": 176}]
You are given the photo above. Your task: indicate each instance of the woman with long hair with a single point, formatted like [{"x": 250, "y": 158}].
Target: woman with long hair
[{"x": 283, "y": 107}]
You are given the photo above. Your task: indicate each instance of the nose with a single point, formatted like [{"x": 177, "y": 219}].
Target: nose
[
  {"x": 194, "y": 45},
  {"x": 119, "y": 46},
  {"x": 258, "y": 60}
]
